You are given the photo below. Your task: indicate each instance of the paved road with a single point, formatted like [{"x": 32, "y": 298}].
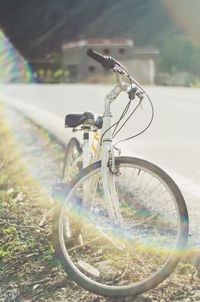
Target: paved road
[{"x": 173, "y": 141}]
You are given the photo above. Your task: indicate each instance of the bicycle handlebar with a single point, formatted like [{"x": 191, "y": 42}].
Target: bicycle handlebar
[
  {"x": 111, "y": 63},
  {"x": 138, "y": 90},
  {"x": 106, "y": 62},
  {"x": 97, "y": 57}
]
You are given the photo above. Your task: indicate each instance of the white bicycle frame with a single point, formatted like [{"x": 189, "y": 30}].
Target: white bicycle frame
[{"x": 107, "y": 154}]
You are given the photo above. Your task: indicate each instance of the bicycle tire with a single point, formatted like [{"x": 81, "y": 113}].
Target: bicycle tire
[
  {"x": 70, "y": 169},
  {"x": 73, "y": 144},
  {"x": 140, "y": 286}
]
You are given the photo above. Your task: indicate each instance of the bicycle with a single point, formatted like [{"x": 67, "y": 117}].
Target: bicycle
[{"x": 121, "y": 222}]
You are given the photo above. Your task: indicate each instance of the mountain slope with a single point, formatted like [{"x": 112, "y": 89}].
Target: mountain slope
[
  {"x": 39, "y": 27},
  {"x": 142, "y": 20}
]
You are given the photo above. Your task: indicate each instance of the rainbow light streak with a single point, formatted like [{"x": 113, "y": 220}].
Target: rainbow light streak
[
  {"x": 13, "y": 67},
  {"x": 148, "y": 243},
  {"x": 186, "y": 15}
]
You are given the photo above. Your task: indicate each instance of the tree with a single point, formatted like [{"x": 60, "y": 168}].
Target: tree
[{"x": 179, "y": 54}]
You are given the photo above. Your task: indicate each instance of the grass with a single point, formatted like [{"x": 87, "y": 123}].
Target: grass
[{"x": 26, "y": 253}]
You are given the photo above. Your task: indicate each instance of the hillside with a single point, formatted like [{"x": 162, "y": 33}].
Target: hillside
[{"x": 39, "y": 27}]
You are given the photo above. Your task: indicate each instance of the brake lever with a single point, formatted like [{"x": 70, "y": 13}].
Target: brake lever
[
  {"x": 135, "y": 91},
  {"x": 132, "y": 92},
  {"x": 119, "y": 70}
]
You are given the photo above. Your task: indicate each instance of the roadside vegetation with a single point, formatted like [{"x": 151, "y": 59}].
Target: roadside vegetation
[
  {"x": 27, "y": 265},
  {"x": 179, "y": 63},
  {"x": 28, "y": 270}
]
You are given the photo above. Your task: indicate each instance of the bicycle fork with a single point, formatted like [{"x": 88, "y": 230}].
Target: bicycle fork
[
  {"x": 108, "y": 169},
  {"x": 108, "y": 174}
]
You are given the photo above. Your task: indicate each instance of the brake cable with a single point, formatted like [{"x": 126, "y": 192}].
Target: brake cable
[
  {"x": 132, "y": 80},
  {"x": 145, "y": 129}
]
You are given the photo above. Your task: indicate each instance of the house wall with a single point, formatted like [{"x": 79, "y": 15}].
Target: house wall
[
  {"x": 81, "y": 67},
  {"x": 143, "y": 71}
]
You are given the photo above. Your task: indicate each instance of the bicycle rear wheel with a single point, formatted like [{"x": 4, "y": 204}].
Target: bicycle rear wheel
[
  {"x": 128, "y": 259},
  {"x": 72, "y": 165},
  {"x": 72, "y": 161}
]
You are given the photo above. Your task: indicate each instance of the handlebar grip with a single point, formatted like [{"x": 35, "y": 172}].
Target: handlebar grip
[
  {"x": 97, "y": 57},
  {"x": 106, "y": 62}
]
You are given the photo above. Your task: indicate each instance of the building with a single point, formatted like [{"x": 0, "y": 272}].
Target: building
[{"x": 140, "y": 62}]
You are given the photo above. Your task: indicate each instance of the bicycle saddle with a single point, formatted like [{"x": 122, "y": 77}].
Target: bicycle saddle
[{"x": 76, "y": 119}]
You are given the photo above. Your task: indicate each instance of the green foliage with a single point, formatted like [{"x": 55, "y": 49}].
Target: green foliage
[
  {"x": 58, "y": 75},
  {"x": 2, "y": 253},
  {"x": 179, "y": 54},
  {"x": 10, "y": 230}
]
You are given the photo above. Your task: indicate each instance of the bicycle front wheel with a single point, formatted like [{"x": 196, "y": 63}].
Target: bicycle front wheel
[{"x": 126, "y": 259}]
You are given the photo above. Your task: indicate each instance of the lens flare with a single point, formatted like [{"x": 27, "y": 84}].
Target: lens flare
[
  {"x": 186, "y": 15},
  {"x": 13, "y": 67},
  {"x": 145, "y": 240}
]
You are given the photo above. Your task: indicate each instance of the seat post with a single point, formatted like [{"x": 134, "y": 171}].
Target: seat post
[{"x": 86, "y": 146}]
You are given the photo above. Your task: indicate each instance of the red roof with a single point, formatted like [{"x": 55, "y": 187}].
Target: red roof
[{"x": 106, "y": 42}]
